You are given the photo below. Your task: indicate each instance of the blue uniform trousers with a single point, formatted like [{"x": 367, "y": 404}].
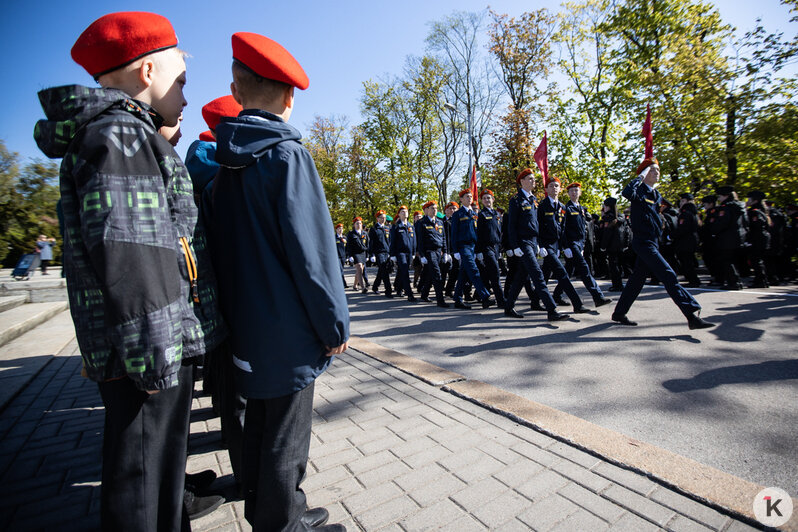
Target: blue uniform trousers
[
  {"x": 649, "y": 261},
  {"x": 490, "y": 258},
  {"x": 403, "y": 273},
  {"x": 383, "y": 272},
  {"x": 533, "y": 272},
  {"x": 581, "y": 269},
  {"x": 554, "y": 268},
  {"x": 468, "y": 270},
  {"x": 431, "y": 276},
  {"x": 516, "y": 269}
]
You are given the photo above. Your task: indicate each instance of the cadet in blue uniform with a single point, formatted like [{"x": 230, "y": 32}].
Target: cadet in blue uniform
[
  {"x": 340, "y": 245},
  {"x": 357, "y": 245},
  {"x": 522, "y": 237},
  {"x": 379, "y": 235},
  {"x": 429, "y": 244},
  {"x": 464, "y": 240},
  {"x": 489, "y": 238},
  {"x": 646, "y": 228},
  {"x": 576, "y": 220},
  {"x": 402, "y": 248},
  {"x": 450, "y": 269},
  {"x": 280, "y": 291}
]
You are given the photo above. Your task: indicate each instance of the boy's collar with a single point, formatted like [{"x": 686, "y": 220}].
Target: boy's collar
[{"x": 260, "y": 113}]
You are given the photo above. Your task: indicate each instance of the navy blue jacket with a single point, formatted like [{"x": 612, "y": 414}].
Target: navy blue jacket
[
  {"x": 378, "y": 239},
  {"x": 646, "y": 223},
  {"x": 575, "y": 224},
  {"x": 279, "y": 278},
  {"x": 403, "y": 238},
  {"x": 429, "y": 235},
  {"x": 523, "y": 220},
  {"x": 550, "y": 220},
  {"x": 464, "y": 228},
  {"x": 488, "y": 230}
]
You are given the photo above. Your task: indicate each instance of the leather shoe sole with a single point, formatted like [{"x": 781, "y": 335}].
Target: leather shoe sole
[{"x": 623, "y": 320}]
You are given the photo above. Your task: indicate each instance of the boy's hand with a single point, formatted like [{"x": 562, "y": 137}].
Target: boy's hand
[{"x": 337, "y": 350}]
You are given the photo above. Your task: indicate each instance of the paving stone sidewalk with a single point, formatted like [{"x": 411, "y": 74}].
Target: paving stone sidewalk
[{"x": 388, "y": 452}]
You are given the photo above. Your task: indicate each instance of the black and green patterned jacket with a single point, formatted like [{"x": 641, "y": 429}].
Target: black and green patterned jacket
[{"x": 132, "y": 247}]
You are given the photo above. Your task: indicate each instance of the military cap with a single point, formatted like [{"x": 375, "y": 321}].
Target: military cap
[
  {"x": 725, "y": 190},
  {"x": 215, "y": 110},
  {"x": 430, "y": 204},
  {"x": 400, "y": 208},
  {"x": 339, "y": 225},
  {"x": 648, "y": 161},
  {"x": 417, "y": 213},
  {"x": 117, "y": 39},
  {"x": 379, "y": 212},
  {"x": 712, "y": 198},
  {"x": 610, "y": 201},
  {"x": 486, "y": 191},
  {"x": 552, "y": 179},
  {"x": 756, "y": 195},
  {"x": 207, "y": 136},
  {"x": 572, "y": 185},
  {"x": 522, "y": 174},
  {"x": 686, "y": 195},
  {"x": 268, "y": 59}
]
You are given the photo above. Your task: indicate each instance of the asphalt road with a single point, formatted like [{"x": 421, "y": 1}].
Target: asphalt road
[{"x": 726, "y": 397}]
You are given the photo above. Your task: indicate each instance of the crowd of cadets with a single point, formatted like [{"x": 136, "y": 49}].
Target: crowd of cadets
[{"x": 735, "y": 240}]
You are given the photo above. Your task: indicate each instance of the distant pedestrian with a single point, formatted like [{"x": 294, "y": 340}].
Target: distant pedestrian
[{"x": 44, "y": 247}]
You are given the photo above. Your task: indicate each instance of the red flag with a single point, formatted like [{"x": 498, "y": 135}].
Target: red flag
[
  {"x": 647, "y": 134},
  {"x": 542, "y": 159},
  {"x": 473, "y": 185}
]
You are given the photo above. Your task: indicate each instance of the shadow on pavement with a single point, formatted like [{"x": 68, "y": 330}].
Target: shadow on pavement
[{"x": 772, "y": 370}]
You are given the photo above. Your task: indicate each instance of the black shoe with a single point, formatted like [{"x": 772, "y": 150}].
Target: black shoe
[
  {"x": 737, "y": 286},
  {"x": 600, "y": 302},
  {"x": 411, "y": 298},
  {"x": 693, "y": 285},
  {"x": 364, "y": 291},
  {"x": 469, "y": 297},
  {"x": 389, "y": 295},
  {"x": 559, "y": 301},
  {"x": 622, "y": 319},
  {"x": 425, "y": 299},
  {"x": 696, "y": 322},
  {"x": 443, "y": 304},
  {"x": 616, "y": 289},
  {"x": 461, "y": 305},
  {"x": 759, "y": 284},
  {"x": 512, "y": 313},
  {"x": 556, "y": 316},
  {"x": 448, "y": 293},
  {"x": 315, "y": 517},
  {"x": 581, "y": 309},
  {"x": 536, "y": 306},
  {"x": 488, "y": 302},
  {"x": 200, "y": 482},
  {"x": 336, "y": 527},
  {"x": 200, "y": 506}
]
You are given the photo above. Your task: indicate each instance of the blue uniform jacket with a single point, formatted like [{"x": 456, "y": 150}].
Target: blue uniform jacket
[
  {"x": 551, "y": 216},
  {"x": 488, "y": 230},
  {"x": 646, "y": 223},
  {"x": 464, "y": 228},
  {"x": 429, "y": 235},
  {"x": 575, "y": 224},
  {"x": 378, "y": 239},
  {"x": 522, "y": 223},
  {"x": 201, "y": 164},
  {"x": 403, "y": 238},
  {"x": 279, "y": 277}
]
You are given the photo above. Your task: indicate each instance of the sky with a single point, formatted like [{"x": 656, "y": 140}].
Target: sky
[{"x": 339, "y": 44}]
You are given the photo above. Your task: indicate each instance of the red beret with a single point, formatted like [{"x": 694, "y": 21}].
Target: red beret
[
  {"x": 572, "y": 185},
  {"x": 645, "y": 164},
  {"x": 417, "y": 213},
  {"x": 400, "y": 208},
  {"x": 215, "y": 110},
  {"x": 452, "y": 204},
  {"x": 379, "y": 212},
  {"x": 268, "y": 59},
  {"x": 486, "y": 191},
  {"x": 338, "y": 225},
  {"x": 552, "y": 179},
  {"x": 429, "y": 204},
  {"x": 115, "y": 40},
  {"x": 465, "y": 191},
  {"x": 357, "y": 219},
  {"x": 522, "y": 174},
  {"x": 207, "y": 136}
]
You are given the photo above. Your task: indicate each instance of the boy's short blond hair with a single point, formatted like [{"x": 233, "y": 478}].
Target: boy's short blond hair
[{"x": 250, "y": 85}]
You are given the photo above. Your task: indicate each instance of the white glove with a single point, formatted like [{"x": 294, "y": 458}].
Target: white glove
[
  {"x": 568, "y": 253},
  {"x": 510, "y": 253},
  {"x": 457, "y": 257},
  {"x": 349, "y": 261},
  {"x": 445, "y": 258},
  {"x": 393, "y": 259},
  {"x": 480, "y": 256},
  {"x": 423, "y": 260},
  {"x": 518, "y": 253},
  {"x": 373, "y": 259},
  {"x": 543, "y": 253}
]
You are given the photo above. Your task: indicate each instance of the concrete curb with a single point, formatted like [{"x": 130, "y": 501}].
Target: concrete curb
[{"x": 700, "y": 482}]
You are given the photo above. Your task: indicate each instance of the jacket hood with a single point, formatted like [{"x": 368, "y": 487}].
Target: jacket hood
[
  {"x": 243, "y": 140},
  {"x": 201, "y": 163},
  {"x": 70, "y": 107}
]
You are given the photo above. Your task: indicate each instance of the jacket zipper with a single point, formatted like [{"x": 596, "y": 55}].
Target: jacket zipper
[{"x": 192, "y": 269}]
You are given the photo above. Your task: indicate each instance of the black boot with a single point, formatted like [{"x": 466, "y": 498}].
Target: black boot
[{"x": 694, "y": 321}]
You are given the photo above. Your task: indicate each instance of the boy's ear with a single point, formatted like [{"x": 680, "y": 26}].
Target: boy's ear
[
  {"x": 288, "y": 97},
  {"x": 146, "y": 72},
  {"x": 234, "y": 92}
]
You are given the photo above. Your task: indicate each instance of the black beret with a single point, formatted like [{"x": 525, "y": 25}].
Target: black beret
[
  {"x": 712, "y": 198},
  {"x": 610, "y": 202},
  {"x": 725, "y": 190}
]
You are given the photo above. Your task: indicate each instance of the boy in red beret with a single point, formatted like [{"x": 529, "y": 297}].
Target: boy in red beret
[
  {"x": 282, "y": 294},
  {"x": 379, "y": 244},
  {"x": 141, "y": 290}
]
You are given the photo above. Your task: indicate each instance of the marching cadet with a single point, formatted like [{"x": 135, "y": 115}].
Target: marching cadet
[
  {"x": 515, "y": 268},
  {"x": 357, "y": 245},
  {"x": 429, "y": 244},
  {"x": 464, "y": 239},
  {"x": 729, "y": 231},
  {"x": 551, "y": 222},
  {"x": 379, "y": 236},
  {"x": 758, "y": 237},
  {"x": 522, "y": 237},
  {"x": 685, "y": 239},
  {"x": 417, "y": 266},
  {"x": 646, "y": 229},
  {"x": 340, "y": 245},
  {"x": 669, "y": 217},
  {"x": 450, "y": 269},
  {"x": 708, "y": 244},
  {"x": 489, "y": 240},
  {"x": 574, "y": 238},
  {"x": 402, "y": 248}
]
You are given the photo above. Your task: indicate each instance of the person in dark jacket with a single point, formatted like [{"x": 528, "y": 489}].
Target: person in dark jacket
[
  {"x": 141, "y": 288},
  {"x": 357, "y": 246},
  {"x": 758, "y": 242},
  {"x": 286, "y": 305},
  {"x": 430, "y": 243},
  {"x": 685, "y": 239},
  {"x": 402, "y": 249},
  {"x": 668, "y": 215},
  {"x": 450, "y": 268},
  {"x": 379, "y": 236},
  {"x": 488, "y": 248},
  {"x": 708, "y": 244},
  {"x": 515, "y": 268},
  {"x": 522, "y": 237},
  {"x": 340, "y": 247},
  {"x": 464, "y": 240},
  {"x": 612, "y": 241},
  {"x": 646, "y": 228},
  {"x": 728, "y": 230},
  {"x": 777, "y": 260}
]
